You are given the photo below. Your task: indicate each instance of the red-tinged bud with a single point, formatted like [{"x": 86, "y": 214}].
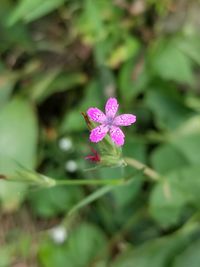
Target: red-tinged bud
[{"x": 95, "y": 157}]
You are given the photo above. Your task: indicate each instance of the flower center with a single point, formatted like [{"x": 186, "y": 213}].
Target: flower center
[{"x": 109, "y": 121}]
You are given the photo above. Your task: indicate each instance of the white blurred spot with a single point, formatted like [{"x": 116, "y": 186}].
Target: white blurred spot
[
  {"x": 71, "y": 166},
  {"x": 58, "y": 234},
  {"x": 65, "y": 144}
]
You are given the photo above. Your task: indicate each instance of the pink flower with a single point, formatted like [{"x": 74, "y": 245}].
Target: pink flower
[{"x": 109, "y": 122}]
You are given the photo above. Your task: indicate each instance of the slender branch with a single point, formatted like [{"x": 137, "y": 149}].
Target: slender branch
[
  {"x": 42, "y": 180},
  {"x": 139, "y": 166},
  {"x": 116, "y": 181},
  {"x": 90, "y": 182}
]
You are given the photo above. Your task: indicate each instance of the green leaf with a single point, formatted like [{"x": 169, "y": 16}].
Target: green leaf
[
  {"x": 166, "y": 203},
  {"x": 92, "y": 197},
  {"x": 53, "y": 82},
  {"x": 40, "y": 87},
  {"x": 93, "y": 96},
  {"x": 129, "y": 85},
  {"x": 170, "y": 63},
  {"x": 73, "y": 122},
  {"x": 93, "y": 17},
  {"x": 168, "y": 107},
  {"x": 175, "y": 159},
  {"x": 29, "y": 10},
  {"x": 6, "y": 253},
  {"x": 6, "y": 87},
  {"x": 189, "y": 127},
  {"x": 18, "y": 142},
  {"x": 128, "y": 49},
  {"x": 124, "y": 194},
  {"x": 169, "y": 198},
  {"x": 76, "y": 251},
  {"x": 189, "y": 146},
  {"x": 189, "y": 257},
  {"x": 139, "y": 152},
  {"x": 51, "y": 202},
  {"x": 190, "y": 45},
  {"x": 156, "y": 253},
  {"x": 181, "y": 150}
]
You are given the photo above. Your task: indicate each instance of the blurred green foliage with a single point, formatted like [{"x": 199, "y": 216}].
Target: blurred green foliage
[{"x": 57, "y": 59}]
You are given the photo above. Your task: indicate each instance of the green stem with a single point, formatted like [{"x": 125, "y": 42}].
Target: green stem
[
  {"x": 139, "y": 166},
  {"x": 90, "y": 182}
]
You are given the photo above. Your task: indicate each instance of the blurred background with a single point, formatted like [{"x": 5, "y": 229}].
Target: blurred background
[{"x": 60, "y": 57}]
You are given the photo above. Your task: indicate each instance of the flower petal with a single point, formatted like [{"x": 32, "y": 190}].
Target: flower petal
[
  {"x": 117, "y": 135},
  {"x": 96, "y": 115},
  {"x": 124, "y": 120},
  {"x": 98, "y": 133},
  {"x": 111, "y": 107}
]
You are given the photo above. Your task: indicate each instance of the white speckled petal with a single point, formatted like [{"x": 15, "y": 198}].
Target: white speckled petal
[
  {"x": 117, "y": 135},
  {"x": 96, "y": 115},
  {"x": 111, "y": 107},
  {"x": 98, "y": 133},
  {"x": 124, "y": 120}
]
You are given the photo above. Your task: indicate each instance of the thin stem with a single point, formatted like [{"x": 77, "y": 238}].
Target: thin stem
[
  {"x": 116, "y": 181},
  {"x": 139, "y": 166},
  {"x": 91, "y": 182}
]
